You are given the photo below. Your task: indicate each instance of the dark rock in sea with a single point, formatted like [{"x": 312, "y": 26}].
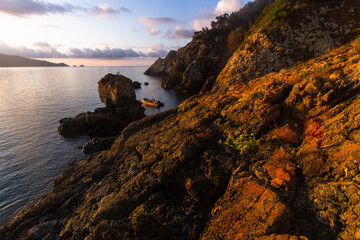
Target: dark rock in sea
[
  {"x": 146, "y": 83},
  {"x": 82, "y": 65},
  {"x": 100, "y": 123},
  {"x": 136, "y": 85},
  {"x": 72, "y": 127},
  {"x": 118, "y": 95},
  {"x": 98, "y": 144}
]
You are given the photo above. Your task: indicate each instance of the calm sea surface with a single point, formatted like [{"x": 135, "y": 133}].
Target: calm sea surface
[{"x": 32, "y": 101}]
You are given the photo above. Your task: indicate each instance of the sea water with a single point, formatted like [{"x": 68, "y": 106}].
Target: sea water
[{"x": 32, "y": 101}]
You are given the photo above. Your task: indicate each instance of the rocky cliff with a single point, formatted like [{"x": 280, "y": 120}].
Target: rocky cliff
[
  {"x": 290, "y": 32},
  {"x": 193, "y": 68},
  {"x": 272, "y": 157},
  {"x": 283, "y": 33}
]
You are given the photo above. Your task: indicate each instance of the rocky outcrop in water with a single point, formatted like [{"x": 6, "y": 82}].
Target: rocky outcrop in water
[
  {"x": 136, "y": 85},
  {"x": 275, "y": 157},
  {"x": 118, "y": 95}
]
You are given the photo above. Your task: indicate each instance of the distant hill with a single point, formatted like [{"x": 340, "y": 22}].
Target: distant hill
[{"x": 17, "y": 61}]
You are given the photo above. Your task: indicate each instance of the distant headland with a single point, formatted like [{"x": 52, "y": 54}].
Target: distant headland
[{"x": 17, "y": 61}]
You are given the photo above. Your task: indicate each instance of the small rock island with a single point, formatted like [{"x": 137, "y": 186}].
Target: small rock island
[{"x": 121, "y": 108}]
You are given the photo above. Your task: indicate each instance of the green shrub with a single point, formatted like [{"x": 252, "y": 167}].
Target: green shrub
[
  {"x": 283, "y": 71},
  {"x": 354, "y": 59},
  {"x": 198, "y": 58},
  {"x": 304, "y": 74},
  {"x": 243, "y": 143},
  {"x": 236, "y": 37},
  {"x": 278, "y": 10}
]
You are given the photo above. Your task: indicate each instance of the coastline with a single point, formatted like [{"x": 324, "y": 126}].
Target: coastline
[{"x": 268, "y": 147}]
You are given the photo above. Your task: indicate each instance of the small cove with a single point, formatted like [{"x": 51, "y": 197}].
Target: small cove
[{"x": 32, "y": 101}]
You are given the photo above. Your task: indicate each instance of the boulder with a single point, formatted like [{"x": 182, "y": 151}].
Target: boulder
[
  {"x": 116, "y": 91},
  {"x": 136, "y": 85}
]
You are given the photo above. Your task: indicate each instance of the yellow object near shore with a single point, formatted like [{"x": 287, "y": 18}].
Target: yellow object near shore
[{"x": 152, "y": 102}]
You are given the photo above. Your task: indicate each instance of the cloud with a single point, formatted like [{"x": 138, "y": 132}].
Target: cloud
[
  {"x": 152, "y": 22},
  {"x": 41, "y": 50},
  {"x": 21, "y": 8},
  {"x": 204, "y": 19},
  {"x": 124, "y": 9},
  {"x": 42, "y": 44},
  {"x": 154, "y": 31},
  {"x": 206, "y": 16},
  {"x": 159, "y": 20},
  {"x": 46, "y": 50},
  {"x": 24, "y": 8},
  {"x": 228, "y": 6},
  {"x": 179, "y": 33},
  {"x": 157, "y": 50},
  {"x": 106, "y": 53},
  {"x": 104, "y": 10}
]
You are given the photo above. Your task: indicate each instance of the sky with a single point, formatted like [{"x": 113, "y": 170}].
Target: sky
[{"x": 104, "y": 32}]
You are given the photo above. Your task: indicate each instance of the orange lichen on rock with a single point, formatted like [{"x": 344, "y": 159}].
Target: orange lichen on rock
[
  {"x": 282, "y": 237},
  {"x": 349, "y": 151},
  {"x": 314, "y": 132},
  {"x": 280, "y": 169},
  {"x": 285, "y": 133},
  {"x": 246, "y": 211}
]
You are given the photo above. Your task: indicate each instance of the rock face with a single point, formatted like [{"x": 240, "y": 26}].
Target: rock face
[
  {"x": 183, "y": 72},
  {"x": 275, "y": 157},
  {"x": 118, "y": 95},
  {"x": 161, "y": 66},
  {"x": 301, "y": 32},
  {"x": 282, "y": 35}
]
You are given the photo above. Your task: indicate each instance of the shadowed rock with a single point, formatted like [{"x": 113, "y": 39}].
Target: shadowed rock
[
  {"x": 136, "y": 85},
  {"x": 118, "y": 95}
]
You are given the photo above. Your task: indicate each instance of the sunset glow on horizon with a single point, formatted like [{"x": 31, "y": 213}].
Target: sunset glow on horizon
[
  {"x": 106, "y": 32},
  {"x": 94, "y": 62}
]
